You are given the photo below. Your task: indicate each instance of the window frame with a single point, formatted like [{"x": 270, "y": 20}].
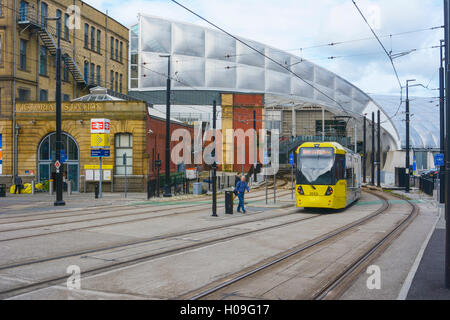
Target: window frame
[
  {"x": 99, "y": 40},
  {"x": 86, "y": 36},
  {"x": 66, "y": 27},
  {"x": 118, "y": 156},
  {"x": 23, "y": 54},
  {"x": 43, "y": 95},
  {"x": 93, "y": 38},
  {"x": 43, "y": 65}
]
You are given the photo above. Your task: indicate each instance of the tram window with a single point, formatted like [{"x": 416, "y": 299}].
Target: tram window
[
  {"x": 340, "y": 167},
  {"x": 349, "y": 174},
  {"x": 315, "y": 167}
]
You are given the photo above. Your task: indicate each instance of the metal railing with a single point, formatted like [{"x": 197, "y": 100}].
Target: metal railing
[{"x": 426, "y": 185}]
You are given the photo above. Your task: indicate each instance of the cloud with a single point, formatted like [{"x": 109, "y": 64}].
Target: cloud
[{"x": 295, "y": 24}]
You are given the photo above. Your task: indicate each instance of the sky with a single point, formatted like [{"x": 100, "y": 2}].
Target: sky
[{"x": 296, "y": 25}]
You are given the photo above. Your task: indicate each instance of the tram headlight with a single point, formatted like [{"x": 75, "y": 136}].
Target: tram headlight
[
  {"x": 329, "y": 191},
  {"x": 300, "y": 190}
]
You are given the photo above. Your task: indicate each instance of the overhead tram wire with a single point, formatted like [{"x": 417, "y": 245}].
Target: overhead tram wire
[
  {"x": 381, "y": 44},
  {"x": 264, "y": 55},
  {"x": 335, "y": 43}
]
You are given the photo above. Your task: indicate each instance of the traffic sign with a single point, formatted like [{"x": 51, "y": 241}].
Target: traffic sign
[
  {"x": 266, "y": 158},
  {"x": 291, "y": 159},
  {"x": 57, "y": 164},
  {"x": 97, "y": 153},
  {"x": 63, "y": 156},
  {"x": 100, "y": 140},
  {"x": 439, "y": 160}
]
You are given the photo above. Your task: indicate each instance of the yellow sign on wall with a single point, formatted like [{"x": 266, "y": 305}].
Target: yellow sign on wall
[
  {"x": 96, "y": 167},
  {"x": 100, "y": 140}
]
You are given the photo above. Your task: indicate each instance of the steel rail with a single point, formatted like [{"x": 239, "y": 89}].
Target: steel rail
[
  {"x": 338, "y": 281},
  {"x": 203, "y": 294},
  {"x": 198, "y": 207},
  {"x": 57, "y": 280}
]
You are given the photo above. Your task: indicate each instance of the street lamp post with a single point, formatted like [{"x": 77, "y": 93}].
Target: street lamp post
[
  {"x": 59, "y": 175},
  {"x": 407, "y": 136},
  {"x": 364, "y": 149},
  {"x": 167, "y": 189}
]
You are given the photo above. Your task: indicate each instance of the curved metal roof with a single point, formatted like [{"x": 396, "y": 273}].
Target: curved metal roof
[
  {"x": 424, "y": 121},
  {"x": 206, "y": 59}
]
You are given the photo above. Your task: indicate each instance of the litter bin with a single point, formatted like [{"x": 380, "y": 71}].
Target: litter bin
[
  {"x": 2, "y": 190},
  {"x": 197, "y": 186},
  {"x": 228, "y": 202}
]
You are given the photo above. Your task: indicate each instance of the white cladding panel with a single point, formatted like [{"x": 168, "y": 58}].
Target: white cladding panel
[{"x": 207, "y": 59}]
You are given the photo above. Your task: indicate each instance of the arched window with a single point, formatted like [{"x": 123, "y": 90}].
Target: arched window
[
  {"x": 46, "y": 155},
  {"x": 123, "y": 145}
]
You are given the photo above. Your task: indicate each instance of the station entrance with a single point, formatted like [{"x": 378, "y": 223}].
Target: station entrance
[{"x": 47, "y": 155}]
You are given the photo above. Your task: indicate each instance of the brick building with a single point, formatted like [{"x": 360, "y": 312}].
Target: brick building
[{"x": 95, "y": 52}]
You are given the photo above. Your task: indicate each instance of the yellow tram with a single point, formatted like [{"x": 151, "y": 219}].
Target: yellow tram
[{"x": 328, "y": 176}]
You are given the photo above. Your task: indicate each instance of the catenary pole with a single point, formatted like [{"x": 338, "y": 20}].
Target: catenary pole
[
  {"x": 442, "y": 121},
  {"x": 379, "y": 150},
  {"x": 214, "y": 177},
  {"x": 364, "y": 149},
  {"x": 167, "y": 188},
  {"x": 59, "y": 175},
  {"x": 447, "y": 142},
  {"x": 372, "y": 156}
]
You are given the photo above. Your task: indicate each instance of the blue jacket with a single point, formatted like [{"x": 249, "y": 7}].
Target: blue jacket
[{"x": 241, "y": 187}]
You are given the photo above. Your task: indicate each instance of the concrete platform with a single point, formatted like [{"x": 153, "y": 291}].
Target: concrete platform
[{"x": 412, "y": 266}]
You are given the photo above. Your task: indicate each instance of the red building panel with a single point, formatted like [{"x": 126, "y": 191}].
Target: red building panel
[
  {"x": 243, "y": 119},
  {"x": 247, "y": 100},
  {"x": 156, "y": 143}
]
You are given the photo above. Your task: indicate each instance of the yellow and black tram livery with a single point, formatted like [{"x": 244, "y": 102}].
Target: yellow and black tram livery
[{"x": 328, "y": 175}]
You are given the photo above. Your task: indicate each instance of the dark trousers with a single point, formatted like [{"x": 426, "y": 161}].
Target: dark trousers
[{"x": 17, "y": 188}]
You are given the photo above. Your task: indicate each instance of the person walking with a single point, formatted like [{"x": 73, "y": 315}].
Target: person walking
[
  {"x": 237, "y": 179},
  {"x": 18, "y": 184},
  {"x": 241, "y": 187}
]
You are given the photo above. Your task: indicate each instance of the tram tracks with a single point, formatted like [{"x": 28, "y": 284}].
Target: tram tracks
[
  {"x": 336, "y": 285},
  {"x": 145, "y": 212},
  {"x": 242, "y": 276},
  {"x": 146, "y": 257},
  {"x": 72, "y": 212}
]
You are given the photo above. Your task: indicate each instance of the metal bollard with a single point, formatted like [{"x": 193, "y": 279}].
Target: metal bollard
[
  {"x": 32, "y": 187},
  {"x": 50, "y": 187},
  {"x": 96, "y": 190},
  {"x": 69, "y": 187},
  {"x": 149, "y": 189}
]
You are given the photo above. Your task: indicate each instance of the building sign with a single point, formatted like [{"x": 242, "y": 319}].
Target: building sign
[
  {"x": 51, "y": 108},
  {"x": 94, "y": 175},
  {"x": 100, "y": 126}
]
